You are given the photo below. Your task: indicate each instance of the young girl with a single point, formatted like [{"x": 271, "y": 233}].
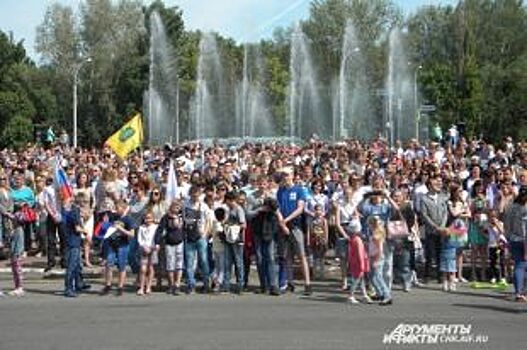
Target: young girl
[
  {"x": 359, "y": 265},
  {"x": 497, "y": 242},
  {"x": 477, "y": 235},
  {"x": 218, "y": 247},
  {"x": 318, "y": 240},
  {"x": 448, "y": 262},
  {"x": 376, "y": 252},
  {"x": 148, "y": 249}
]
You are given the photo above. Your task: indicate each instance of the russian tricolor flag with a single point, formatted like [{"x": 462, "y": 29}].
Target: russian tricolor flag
[{"x": 62, "y": 183}]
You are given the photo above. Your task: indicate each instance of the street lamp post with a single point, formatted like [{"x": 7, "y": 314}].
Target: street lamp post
[
  {"x": 417, "y": 110},
  {"x": 76, "y": 70}
]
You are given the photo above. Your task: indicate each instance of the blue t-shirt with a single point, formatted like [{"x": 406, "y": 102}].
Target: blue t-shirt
[
  {"x": 288, "y": 201},
  {"x": 70, "y": 219},
  {"x": 128, "y": 224}
]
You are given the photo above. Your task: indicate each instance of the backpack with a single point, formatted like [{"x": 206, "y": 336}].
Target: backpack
[{"x": 191, "y": 221}]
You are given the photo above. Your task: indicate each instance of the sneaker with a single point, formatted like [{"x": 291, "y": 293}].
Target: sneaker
[
  {"x": 283, "y": 289},
  {"x": 275, "y": 291},
  {"x": 452, "y": 287},
  {"x": 2, "y": 294},
  {"x": 70, "y": 294},
  {"x": 385, "y": 302},
  {"x": 175, "y": 290},
  {"x": 291, "y": 287},
  {"x": 520, "y": 298},
  {"x": 190, "y": 290},
  {"x": 106, "y": 290},
  {"x": 456, "y": 280},
  {"x": 140, "y": 292},
  {"x": 407, "y": 289},
  {"x": 463, "y": 280},
  {"x": 353, "y": 300},
  {"x": 493, "y": 281},
  {"x": 308, "y": 289},
  {"x": 19, "y": 292}
]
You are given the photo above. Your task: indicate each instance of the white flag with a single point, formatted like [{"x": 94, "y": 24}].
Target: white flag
[{"x": 171, "y": 194}]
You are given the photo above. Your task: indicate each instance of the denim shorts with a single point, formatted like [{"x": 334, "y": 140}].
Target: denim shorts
[{"x": 117, "y": 256}]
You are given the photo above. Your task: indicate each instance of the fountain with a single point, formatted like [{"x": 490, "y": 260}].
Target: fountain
[
  {"x": 162, "y": 102},
  {"x": 304, "y": 102},
  {"x": 400, "y": 104},
  {"x": 252, "y": 114},
  {"x": 353, "y": 90},
  {"x": 209, "y": 103}
]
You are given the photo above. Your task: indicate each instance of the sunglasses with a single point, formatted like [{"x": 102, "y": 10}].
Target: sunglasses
[{"x": 155, "y": 193}]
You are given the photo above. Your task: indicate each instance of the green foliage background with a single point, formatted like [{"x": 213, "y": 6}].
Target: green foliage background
[{"x": 473, "y": 57}]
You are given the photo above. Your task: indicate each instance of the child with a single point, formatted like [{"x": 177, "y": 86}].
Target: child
[
  {"x": 318, "y": 239},
  {"x": 170, "y": 230},
  {"x": 72, "y": 227},
  {"x": 358, "y": 262},
  {"x": 496, "y": 244},
  {"x": 148, "y": 250},
  {"x": 448, "y": 261},
  {"x": 376, "y": 252},
  {"x": 218, "y": 247}
]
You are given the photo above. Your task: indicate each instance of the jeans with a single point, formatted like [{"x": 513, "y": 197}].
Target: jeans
[
  {"x": 266, "y": 263},
  {"x": 192, "y": 249},
  {"x": 387, "y": 268},
  {"x": 401, "y": 263},
  {"x": 233, "y": 256},
  {"x": 73, "y": 271},
  {"x": 1, "y": 229},
  {"x": 377, "y": 280},
  {"x": 219, "y": 267},
  {"x": 432, "y": 252},
  {"x": 518, "y": 255}
]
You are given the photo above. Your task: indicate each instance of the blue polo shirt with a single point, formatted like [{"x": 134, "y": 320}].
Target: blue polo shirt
[{"x": 288, "y": 200}]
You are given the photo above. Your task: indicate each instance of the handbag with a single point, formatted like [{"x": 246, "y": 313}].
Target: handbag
[
  {"x": 457, "y": 234},
  {"x": 232, "y": 233},
  {"x": 397, "y": 229},
  {"x": 27, "y": 215}
]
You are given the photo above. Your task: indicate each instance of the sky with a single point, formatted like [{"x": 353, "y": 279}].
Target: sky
[{"x": 243, "y": 20}]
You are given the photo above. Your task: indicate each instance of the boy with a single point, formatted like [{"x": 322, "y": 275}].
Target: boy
[{"x": 117, "y": 252}]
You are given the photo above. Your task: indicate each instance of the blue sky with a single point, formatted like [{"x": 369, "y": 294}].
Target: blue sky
[{"x": 244, "y": 20}]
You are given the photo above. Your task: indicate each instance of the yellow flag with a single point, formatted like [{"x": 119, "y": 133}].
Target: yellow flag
[{"x": 128, "y": 138}]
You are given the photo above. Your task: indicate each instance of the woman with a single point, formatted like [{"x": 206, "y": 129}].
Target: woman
[
  {"x": 403, "y": 247},
  {"x": 458, "y": 208},
  {"x": 515, "y": 218},
  {"x": 42, "y": 214},
  {"x": 158, "y": 207},
  {"x": 23, "y": 197},
  {"x": 6, "y": 206},
  {"x": 477, "y": 236},
  {"x": 86, "y": 211},
  {"x": 341, "y": 216}
]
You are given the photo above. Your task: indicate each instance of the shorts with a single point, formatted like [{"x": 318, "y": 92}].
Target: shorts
[
  {"x": 145, "y": 257},
  {"x": 174, "y": 257},
  {"x": 293, "y": 242},
  {"x": 117, "y": 256},
  {"x": 448, "y": 260}
]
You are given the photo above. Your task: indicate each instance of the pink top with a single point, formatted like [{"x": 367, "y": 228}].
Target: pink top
[{"x": 357, "y": 257}]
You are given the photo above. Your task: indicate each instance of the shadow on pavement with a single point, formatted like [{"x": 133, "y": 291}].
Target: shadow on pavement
[{"x": 493, "y": 308}]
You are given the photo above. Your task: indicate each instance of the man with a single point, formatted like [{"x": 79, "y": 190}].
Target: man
[
  {"x": 195, "y": 222},
  {"x": 434, "y": 215},
  {"x": 234, "y": 232},
  {"x": 291, "y": 201},
  {"x": 117, "y": 253}
]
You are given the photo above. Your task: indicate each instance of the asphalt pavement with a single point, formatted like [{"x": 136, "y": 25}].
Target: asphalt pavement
[{"x": 44, "y": 319}]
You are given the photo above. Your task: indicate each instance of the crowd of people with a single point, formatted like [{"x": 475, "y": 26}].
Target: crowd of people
[{"x": 449, "y": 211}]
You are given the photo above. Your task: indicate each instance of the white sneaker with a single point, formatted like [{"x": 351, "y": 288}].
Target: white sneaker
[
  {"x": 445, "y": 286},
  {"x": 353, "y": 300},
  {"x": 493, "y": 281},
  {"x": 2, "y": 294},
  {"x": 463, "y": 280},
  {"x": 19, "y": 292},
  {"x": 452, "y": 287},
  {"x": 456, "y": 280}
]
